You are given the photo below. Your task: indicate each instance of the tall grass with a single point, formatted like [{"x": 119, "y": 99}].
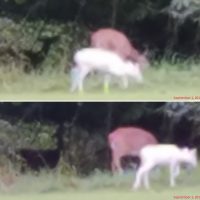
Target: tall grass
[
  {"x": 52, "y": 182},
  {"x": 164, "y": 81}
]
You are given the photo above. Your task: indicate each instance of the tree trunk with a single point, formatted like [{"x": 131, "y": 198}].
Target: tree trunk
[{"x": 114, "y": 12}]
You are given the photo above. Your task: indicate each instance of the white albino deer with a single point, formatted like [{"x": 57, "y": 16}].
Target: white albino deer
[
  {"x": 163, "y": 154},
  {"x": 93, "y": 59}
]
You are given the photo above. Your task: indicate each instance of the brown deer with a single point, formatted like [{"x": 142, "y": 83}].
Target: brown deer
[
  {"x": 127, "y": 141},
  {"x": 114, "y": 40}
]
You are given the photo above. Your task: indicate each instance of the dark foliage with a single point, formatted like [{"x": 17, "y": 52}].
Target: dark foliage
[
  {"x": 165, "y": 28},
  {"x": 37, "y": 159}
]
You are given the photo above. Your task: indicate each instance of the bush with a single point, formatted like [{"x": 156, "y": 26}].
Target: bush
[{"x": 38, "y": 44}]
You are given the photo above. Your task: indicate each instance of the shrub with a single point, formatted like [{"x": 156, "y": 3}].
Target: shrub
[{"x": 38, "y": 44}]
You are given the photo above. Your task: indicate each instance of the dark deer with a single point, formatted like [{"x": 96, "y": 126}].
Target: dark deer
[
  {"x": 114, "y": 40},
  {"x": 36, "y": 159},
  {"x": 127, "y": 141}
]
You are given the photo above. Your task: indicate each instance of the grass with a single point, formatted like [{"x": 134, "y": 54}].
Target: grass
[
  {"x": 100, "y": 186},
  {"x": 165, "y": 83}
]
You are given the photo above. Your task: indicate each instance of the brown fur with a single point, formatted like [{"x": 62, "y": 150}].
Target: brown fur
[
  {"x": 126, "y": 141},
  {"x": 117, "y": 41}
]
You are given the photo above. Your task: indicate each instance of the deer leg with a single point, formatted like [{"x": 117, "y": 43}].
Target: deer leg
[
  {"x": 138, "y": 179},
  {"x": 174, "y": 171},
  {"x": 177, "y": 170},
  {"x": 116, "y": 165},
  {"x": 142, "y": 175},
  {"x": 82, "y": 73},
  {"x": 146, "y": 180},
  {"x": 74, "y": 76},
  {"x": 113, "y": 166},
  {"x": 124, "y": 82},
  {"x": 106, "y": 83}
]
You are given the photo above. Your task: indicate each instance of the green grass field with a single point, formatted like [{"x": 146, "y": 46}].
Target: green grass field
[
  {"x": 164, "y": 83},
  {"x": 101, "y": 186},
  {"x": 99, "y": 195}
]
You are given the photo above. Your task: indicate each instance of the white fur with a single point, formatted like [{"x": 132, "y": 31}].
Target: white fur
[
  {"x": 163, "y": 154},
  {"x": 93, "y": 59}
]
